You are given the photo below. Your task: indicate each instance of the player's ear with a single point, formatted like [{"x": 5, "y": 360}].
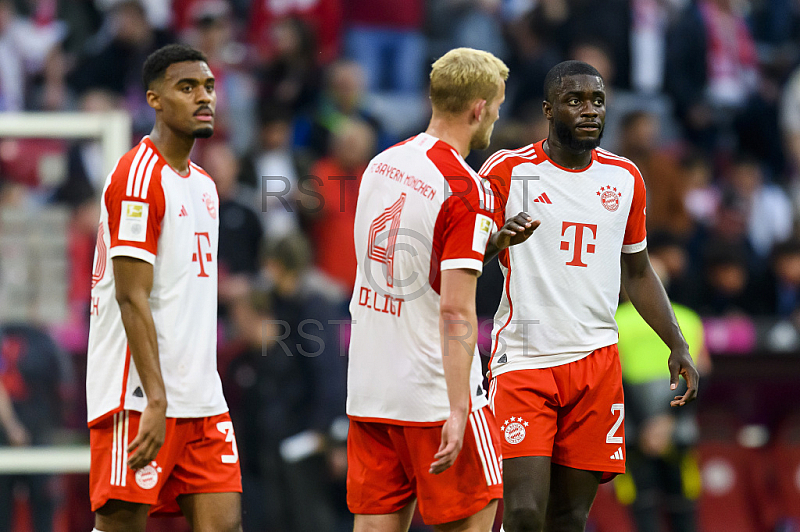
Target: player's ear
[
  {"x": 547, "y": 109},
  {"x": 153, "y": 99},
  {"x": 477, "y": 110}
]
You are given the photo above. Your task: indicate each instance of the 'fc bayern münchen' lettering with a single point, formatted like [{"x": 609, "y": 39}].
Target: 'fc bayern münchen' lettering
[
  {"x": 577, "y": 249},
  {"x": 395, "y": 174},
  {"x": 198, "y": 257},
  {"x": 380, "y": 303}
]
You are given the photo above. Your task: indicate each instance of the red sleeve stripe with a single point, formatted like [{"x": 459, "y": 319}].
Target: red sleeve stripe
[
  {"x": 132, "y": 169},
  {"x": 491, "y": 160},
  {"x": 490, "y": 165},
  {"x": 486, "y": 200}
]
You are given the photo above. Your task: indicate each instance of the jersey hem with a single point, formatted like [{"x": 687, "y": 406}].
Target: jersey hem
[
  {"x": 634, "y": 248},
  {"x": 131, "y": 251},
  {"x": 199, "y": 415},
  {"x": 531, "y": 363},
  {"x": 398, "y": 422}
]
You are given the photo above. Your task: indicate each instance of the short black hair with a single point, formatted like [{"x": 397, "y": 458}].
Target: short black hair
[
  {"x": 552, "y": 81},
  {"x": 157, "y": 63}
]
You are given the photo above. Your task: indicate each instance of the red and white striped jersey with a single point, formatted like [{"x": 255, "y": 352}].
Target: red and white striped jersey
[
  {"x": 562, "y": 285},
  {"x": 421, "y": 210},
  {"x": 150, "y": 212}
]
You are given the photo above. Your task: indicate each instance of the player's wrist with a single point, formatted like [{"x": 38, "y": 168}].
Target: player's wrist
[{"x": 157, "y": 403}]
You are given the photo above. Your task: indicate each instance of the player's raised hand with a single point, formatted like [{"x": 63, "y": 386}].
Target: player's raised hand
[
  {"x": 516, "y": 230},
  {"x": 452, "y": 441},
  {"x": 152, "y": 430},
  {"x": 680, "y": 363}
]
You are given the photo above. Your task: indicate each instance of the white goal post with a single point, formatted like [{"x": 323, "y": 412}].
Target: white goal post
[{"x": 113, "y": 130}]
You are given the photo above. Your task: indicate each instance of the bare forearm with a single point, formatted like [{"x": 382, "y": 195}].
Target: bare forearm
[
  {"x": 649, "y": 298},
  {"x": 459, "y": 336},
  {"x": 143, "y": 344}
]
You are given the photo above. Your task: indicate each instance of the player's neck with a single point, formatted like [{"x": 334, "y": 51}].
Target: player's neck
[
  {"x": 456, "y": 135},
  {"x": 173, "y": 147},
  {"x": 563, "y": 156}
]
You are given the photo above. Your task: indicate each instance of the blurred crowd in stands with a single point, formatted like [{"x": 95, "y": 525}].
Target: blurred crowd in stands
[{"x": 703, "y": 95}]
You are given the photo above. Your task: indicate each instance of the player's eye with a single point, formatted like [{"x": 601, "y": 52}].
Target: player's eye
[
  {"x": 573, "y": 101},
  {"x": 210, "y": 88},
  {"x": 186, "y": 88}
]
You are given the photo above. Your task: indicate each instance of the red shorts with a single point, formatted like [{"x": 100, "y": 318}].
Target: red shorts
[
  {"x": 573, "y": 413},
  {"x": 388, "y": 466},
  {"x": 199, "y": 455}
]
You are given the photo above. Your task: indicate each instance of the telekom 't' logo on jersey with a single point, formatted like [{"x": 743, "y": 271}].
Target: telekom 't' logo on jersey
[
  {"x": 198, "y": 256},
  {"x": 577, "y": 242}
]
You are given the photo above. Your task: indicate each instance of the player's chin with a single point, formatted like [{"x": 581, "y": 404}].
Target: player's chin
[
  {"x": 203, "y": 132},
  {"x": 481, "y": 143}
]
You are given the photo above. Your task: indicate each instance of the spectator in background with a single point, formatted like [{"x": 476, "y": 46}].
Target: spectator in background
[
  {"x": 660, "y": 480},
  {"x": 314, "y": 423},
  {"x": 34, "y": 375},
  {"x": 341, "y": 100},
  {"x": 784, "y": 289},
  {"x": 269, "y": 386},
  {"x": 385, "y": 38},
  {"x": 85, "y": 176},
  {"x": 666, "y": 184},
  {"x": 114, "y": 60},
  {"x": 332, "y": 227},
  {"x": 324, "y": 17},
  {"x": 676, "y": 269},
  {"x": 240, "y": 231},
  {"x": 30, "y": 49},
  {"x": 532, "y": 56},
  {"x": 289, "y": 78},
  {"x": 212, "y": 32},
  {"x": 768, "y": 208},
  {"x": 702, "y": 196},
  {"x": 729, "y": 287},
  {"x": 273, "y": 170}
]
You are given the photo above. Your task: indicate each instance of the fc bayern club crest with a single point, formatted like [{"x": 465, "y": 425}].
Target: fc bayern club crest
[
  {"x": 210, "y": 205},
  {"x": 609, "y": 197},
  {"x": 514, "y": 430}
]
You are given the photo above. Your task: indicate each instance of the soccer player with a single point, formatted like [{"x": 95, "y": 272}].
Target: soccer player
[
  {"x": 420, "y": 426},
  {"x": 161, "y": 438},
  {"x": 555, "y": 376}
]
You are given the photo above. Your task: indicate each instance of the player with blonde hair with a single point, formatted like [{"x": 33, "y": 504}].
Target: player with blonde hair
[{"x": 415, "y": 382}]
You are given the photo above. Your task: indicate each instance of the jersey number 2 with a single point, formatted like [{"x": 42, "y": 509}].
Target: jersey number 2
[
  {"x": 390, "y": 217},
  {"x": 610, "y": 437},
  {"x": 226, "y": 428}
]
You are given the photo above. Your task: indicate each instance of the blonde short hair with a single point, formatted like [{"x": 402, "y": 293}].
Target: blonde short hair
[{"x": 463, "y": 75}]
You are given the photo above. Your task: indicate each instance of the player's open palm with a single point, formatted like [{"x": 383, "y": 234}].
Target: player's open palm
[
  {"x": 452, "y": 441},
  {"x": 152, "y": 429},
  {"x": 516, "y": 230},
  {"x": 680, "y": 363}
]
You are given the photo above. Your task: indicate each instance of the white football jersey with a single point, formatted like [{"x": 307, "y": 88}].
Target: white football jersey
[
  {"x": 150, "y": 212},
  {"x": 421, "y": 209},
  {"x": 562, "y": 285}
]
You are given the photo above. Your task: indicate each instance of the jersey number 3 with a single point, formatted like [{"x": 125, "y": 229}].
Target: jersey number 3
[
  {"x": 226, "y": 428},
  {"x": 384, "y": 254}
]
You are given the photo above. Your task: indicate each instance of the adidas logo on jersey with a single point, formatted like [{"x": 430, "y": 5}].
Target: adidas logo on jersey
[
  {"x": 183, "y": 211},
  {"x": 617, "y": 455},
  {"x": 479, "y": 391},
  {"x": 543, "y": 199},
  {"x": 138, "y": 392},
  {"x": 503, "y": 359}
]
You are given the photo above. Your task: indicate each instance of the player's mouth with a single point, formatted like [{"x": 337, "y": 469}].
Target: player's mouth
[
  {"x": 204, "y": 114},
  {"x": 589, "y": 127}
]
